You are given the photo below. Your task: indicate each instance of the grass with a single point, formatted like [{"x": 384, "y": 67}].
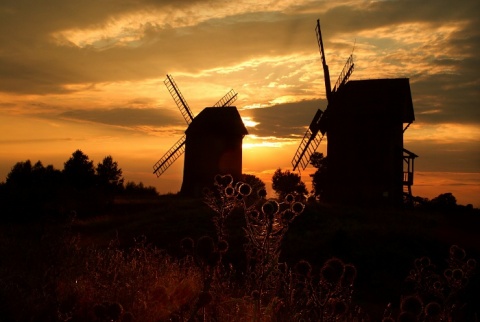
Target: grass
[{"x": 130, "y": 263}]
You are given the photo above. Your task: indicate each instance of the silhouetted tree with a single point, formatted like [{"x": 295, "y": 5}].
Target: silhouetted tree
[
  {"x": 287, "y": 182},
  {"x": 319, "y": 178},
  {"x": 30, "y": 189},
  {"x": 79, "y": 171},
  {"x": 134, "y": 189},
  {"x": 255, "y": 182},
  {"x": 109, "y": 178},
  {"x": 20, "y": 175},
  {"x": 444, "y": 202},
  {"x": 109, "y": 174}
]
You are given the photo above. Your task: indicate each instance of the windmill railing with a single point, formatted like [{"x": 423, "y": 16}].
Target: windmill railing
[{"x": 407, "y": 178}]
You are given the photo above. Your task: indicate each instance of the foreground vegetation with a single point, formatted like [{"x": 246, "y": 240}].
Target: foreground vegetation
[{"x": 240, "y": 256}]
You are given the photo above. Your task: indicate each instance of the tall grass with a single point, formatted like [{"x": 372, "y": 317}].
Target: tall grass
[{"x": 236, "y": 273}]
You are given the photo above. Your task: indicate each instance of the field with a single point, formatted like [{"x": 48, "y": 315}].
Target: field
[{"x": 71, "y": 271}]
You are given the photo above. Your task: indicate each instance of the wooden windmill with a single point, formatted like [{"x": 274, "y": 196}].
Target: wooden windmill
[
  {"x": 364, "y": 123},
  {"x": 318, "y": 127},
  {"x": 212, "y": 142}
]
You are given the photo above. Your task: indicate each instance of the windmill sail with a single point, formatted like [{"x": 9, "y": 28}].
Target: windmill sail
[
  {"x": 178, "y": 98},
  {"x": 345, "y": 74},
  {"x": 168, "y": 158},
  {"x": 326, "y": 72},
  {"x": 318, "y": 127},
  {"x": 179, "y": 147},
  {"x": 227, "y": 100},
  {"x": 309, "y": 144}
]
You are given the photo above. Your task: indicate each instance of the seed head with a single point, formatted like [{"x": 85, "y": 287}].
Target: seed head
[
  {"x": 457, "y": 253},
  {"x": 262, "y": 193},
  {"x": 245, "y": 189},
  {"x": 433, "y": 309},
  {"x": 205, "y": 247},
  {"x": 303, "y": 268},
  {"x": 412, "y": 304},
  {"x": 298, "y": 207},
  {"x": 289, "y": 198}
]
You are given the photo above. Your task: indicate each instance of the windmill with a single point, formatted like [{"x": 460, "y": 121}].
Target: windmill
[
  {"x": 318, "y": 127},
  {"x": 211, "y": 143},
  {"x": 365, "y": 123}
]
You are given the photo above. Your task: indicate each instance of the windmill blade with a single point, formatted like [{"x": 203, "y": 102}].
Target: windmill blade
[
  {"x": 168, "y": 158},
  {"x": 345, "y": 74},
  {"x": 326, "y": 72},
  {"x": 227, "y": 100},
  {"x": 179, "y": 100},
  {"x": 309, "y": 144}
]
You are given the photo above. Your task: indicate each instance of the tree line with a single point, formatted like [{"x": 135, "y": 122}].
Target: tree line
[{"x": 32, "y": 191}]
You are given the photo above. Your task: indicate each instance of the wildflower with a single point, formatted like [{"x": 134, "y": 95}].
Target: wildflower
[
  {"x": 288, "y": 216},
  {"x": 205, "y": 247},
  {"x": 303, "y": 268},
  {"x": 204, "y": 299},
  {"x": 128, "y": 317},
  {"x": 298, "y": 207},
  {"x": 457, "y": 274},
  {"x": 114, "y": 311},
  {"x": 100, "y": 311},
  {"x": 407, "y": 317},
  {"x": 471, "y": 263},
  {"x": 424, "y": 261},
  {"x": 213, "y": 259},
  {"x": 289, "y": 198},
  {"x": 447, "y": 273},
  {"x": 270, "y": 207},
  {"x": 222, "y": 246},
  {"x": 457, "y": 253},
  {"x": 229, "y": 191},
  {"x": 245, "y": 189},
  {"x": 388, "y": 319},
  {"x": 349, "y": 274},
  {"x": 187, "y": 244},
  {"x": 254, "y": 214},
  {"x": 332, "y": 270},
  {"x": 433, "y": 310},
  {"x": 409, "y": 286},
  {"x": 412, "y": 304},
  {"x": 255, "y": 295},
  {"x": 262, "y": 193},
  {"x": 339, "y": 308}
]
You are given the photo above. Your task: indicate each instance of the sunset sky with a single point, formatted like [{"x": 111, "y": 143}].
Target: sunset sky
[{"x": 89, "y": 75}]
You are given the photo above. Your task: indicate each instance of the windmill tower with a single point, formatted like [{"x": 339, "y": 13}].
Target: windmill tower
[
  {"x": 364, "y": 123},
  {"x": 212, "y": 143}
]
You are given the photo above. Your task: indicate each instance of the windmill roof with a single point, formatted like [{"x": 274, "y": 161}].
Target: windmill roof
[
  {"x": 379, "y": 96},
  {"x": 218, "y": 120}
]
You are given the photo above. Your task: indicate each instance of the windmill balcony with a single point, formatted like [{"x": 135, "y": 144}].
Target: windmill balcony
[{"x": 407, "y": 178}]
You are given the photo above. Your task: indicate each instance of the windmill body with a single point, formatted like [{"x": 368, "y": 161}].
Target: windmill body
[
  {"x": 364, "y": 124},
  {"x": 365, "y": 141},
  {"x": 213, "y": 146},
  {"x": 212, "y": 143}
]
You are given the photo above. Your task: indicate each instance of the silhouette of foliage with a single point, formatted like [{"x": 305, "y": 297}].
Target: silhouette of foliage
[
  {"x": 286, "y": 182},
  {"x": 319, "y": 178},
  {"x": 79, "y": 171},
  {"x": 35, "y": 191},
  {"x": 109, "y": 174}
]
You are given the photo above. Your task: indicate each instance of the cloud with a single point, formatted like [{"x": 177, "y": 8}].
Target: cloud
[
  {"x": 127, "y": 117},
  {"x": 289, "y": 120}
]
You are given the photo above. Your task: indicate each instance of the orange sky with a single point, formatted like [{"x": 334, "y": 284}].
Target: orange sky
[{"x": 89, "y": 75}]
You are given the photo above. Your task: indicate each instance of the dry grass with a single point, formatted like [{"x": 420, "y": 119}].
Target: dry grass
[{"x": 235, "y": 256}]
